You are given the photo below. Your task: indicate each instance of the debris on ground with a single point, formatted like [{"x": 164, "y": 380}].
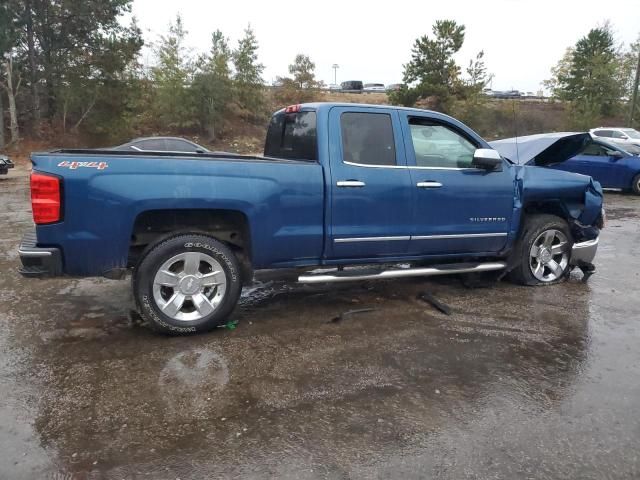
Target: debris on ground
[
  {"x": 230, "y": 325},
  {"x": 427, "y": 297},
  {"x": 135, "y": 319},
  {"x": 588, "y": 269},
  {"x": 349, "y": 313}
]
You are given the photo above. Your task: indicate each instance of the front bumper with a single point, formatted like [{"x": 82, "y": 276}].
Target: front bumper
[
  {"x": 38, "y": 261},
  {"x": 583, "y": 253}
]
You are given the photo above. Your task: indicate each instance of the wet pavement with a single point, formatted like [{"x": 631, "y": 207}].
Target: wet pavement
[{"x": 516, "y": 383}]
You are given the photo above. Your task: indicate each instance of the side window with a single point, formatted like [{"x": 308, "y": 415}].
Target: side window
[
  {"x": 436, "y": 145},
  {"x": 367, "y": 138},
  {"x": 292, "y": 136},
  {"x": 180, "y": 146},
  {"x": 602, "y": 133},
  {"x": 616, "y": 134},
  {"x": 594, "y": 150},
  {"x": 156, "y": 144}
]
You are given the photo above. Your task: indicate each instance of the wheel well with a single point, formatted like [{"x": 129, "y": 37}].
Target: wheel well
[
  {"x": 551, "y": 208},
  {"x": 228, "y": 226}
]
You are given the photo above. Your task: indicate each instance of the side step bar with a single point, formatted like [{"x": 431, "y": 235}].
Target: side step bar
[{"x": 362, "y": 274}]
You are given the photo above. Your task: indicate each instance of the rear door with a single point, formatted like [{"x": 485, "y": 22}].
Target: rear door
[
  {"x": 457, "y": 209},
  {"x": 371, "y": 194}
]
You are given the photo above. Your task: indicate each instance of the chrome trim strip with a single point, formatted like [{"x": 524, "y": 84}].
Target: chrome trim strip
[
  {"x": 467, "y": 235},
  {"x": 370, "y": 239},
  {"x": 412, "y": 167},
  {"x": 354, "y": 164},
  {"x": 417, "y": 237}
]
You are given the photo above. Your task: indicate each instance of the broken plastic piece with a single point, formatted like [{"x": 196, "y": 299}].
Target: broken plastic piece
[
  {"x": 427, "y": 297},
  {"x": 350, "y": 312}
]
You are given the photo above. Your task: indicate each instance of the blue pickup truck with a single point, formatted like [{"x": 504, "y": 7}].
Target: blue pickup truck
[{"x": 354, "y": 189}]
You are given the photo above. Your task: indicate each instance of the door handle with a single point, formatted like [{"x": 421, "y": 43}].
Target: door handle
[
  {"x": 428, "y": 184},
  {"x": 350, "y": 183}
]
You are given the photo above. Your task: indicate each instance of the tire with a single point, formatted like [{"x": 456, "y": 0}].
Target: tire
[
  {"x": 177, "y": 290},
  {"x": 635, "y": 184},
  {"x": 535, "y": 263}
]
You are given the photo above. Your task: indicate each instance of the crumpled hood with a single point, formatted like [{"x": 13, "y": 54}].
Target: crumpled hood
[{"x": 542, "y": 149}]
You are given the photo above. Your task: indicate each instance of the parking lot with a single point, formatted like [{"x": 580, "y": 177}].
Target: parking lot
[{"x": 516, "y": 383}]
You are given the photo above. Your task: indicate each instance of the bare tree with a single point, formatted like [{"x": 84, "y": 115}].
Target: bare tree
[
  {"x": 1, "y": 123},
  {"x": 12, "y": 92}
]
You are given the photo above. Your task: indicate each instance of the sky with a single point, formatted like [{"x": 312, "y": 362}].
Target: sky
[{"x": 370, "y": 41}]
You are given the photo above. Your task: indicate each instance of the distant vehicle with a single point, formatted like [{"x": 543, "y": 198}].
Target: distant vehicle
[
  {"x": 373, "y": 87},
  {"x": 352, "y": 86},
  {"x": 528, "y": 94},
  {"x": 506, "y": 94},
  {"x": 5, "y": 164},
  {"x": 162, "y": 144},
  {"x": 627, "y": 138},
  {"x": 608, "y": 164},
  {"x": 334, "y": 86},
  {"x": 394, "y": 87},
  {"x": 488, "y": 92}
]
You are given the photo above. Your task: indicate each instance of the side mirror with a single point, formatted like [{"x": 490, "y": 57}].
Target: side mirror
[
  {"x": 616, "y": 154},
  {"x": 487, "y": 159}
]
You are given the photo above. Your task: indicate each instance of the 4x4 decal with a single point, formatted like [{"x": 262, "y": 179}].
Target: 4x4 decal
[{"x": 75, "y": 165}]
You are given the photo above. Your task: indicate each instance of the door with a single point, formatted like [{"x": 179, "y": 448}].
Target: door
[
  {"x": 599, "y": 162},
  {"x": 371, "y": 192},
  {"x": 458, "y": 209}
]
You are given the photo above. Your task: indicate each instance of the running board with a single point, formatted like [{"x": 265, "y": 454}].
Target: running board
[{"x": 358, "y": 274}]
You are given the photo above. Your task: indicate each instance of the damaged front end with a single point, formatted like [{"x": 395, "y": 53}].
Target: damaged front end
[{"x": 574, "y": 197}]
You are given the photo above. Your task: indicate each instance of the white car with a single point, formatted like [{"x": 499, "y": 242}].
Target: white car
[
  {"x": 627, "y": 138},
  {"x": 373, "y": 87}
]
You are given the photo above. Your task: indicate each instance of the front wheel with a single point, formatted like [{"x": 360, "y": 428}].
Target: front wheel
[
  {"x": 187, "y": 284},
  {"x": 543, "y": 251},
  {"x": 635, "y": 184}
]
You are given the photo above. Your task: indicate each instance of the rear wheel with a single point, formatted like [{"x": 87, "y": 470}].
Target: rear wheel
[
  {"x": 543, "y": 251},
  {"x": 187, "y": 284},
  {"x": 635, "y": 184}
]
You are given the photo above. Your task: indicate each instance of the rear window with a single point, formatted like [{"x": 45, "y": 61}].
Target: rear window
[{"x": 292, "y": 136}]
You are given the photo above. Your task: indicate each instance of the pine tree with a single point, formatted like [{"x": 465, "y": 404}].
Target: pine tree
[
  {"x": 432, "y": 71},
  {"x": 171, "y": 77},
  {"x": 212, "y": 87},
  {"x": 248, "y": 73}
]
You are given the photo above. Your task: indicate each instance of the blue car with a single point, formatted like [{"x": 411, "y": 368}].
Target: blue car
[{"x": 609, "y": 164}]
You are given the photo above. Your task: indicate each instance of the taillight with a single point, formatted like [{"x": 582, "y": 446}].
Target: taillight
[
  {"x": 293, "y": 109},
  {"x": 45, "y": 198}
]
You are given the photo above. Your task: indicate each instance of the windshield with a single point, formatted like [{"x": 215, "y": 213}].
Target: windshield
[{"x": 631, "y": 133}]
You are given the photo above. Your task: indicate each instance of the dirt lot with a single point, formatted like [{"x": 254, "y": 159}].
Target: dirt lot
[{"x": 516, "y": 383}]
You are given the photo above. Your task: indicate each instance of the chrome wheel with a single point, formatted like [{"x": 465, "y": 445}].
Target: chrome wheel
[
  {"x": 189, "y": 286},
  {"x": 549, "y": 255}
]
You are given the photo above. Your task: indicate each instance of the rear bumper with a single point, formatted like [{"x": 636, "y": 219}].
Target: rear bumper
[
  {"x": 583, "y": 253},
  {"x": 37, "y": 261}
]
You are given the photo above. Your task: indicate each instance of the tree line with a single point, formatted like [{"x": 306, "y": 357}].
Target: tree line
[{"x": 74, "y": 66}]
